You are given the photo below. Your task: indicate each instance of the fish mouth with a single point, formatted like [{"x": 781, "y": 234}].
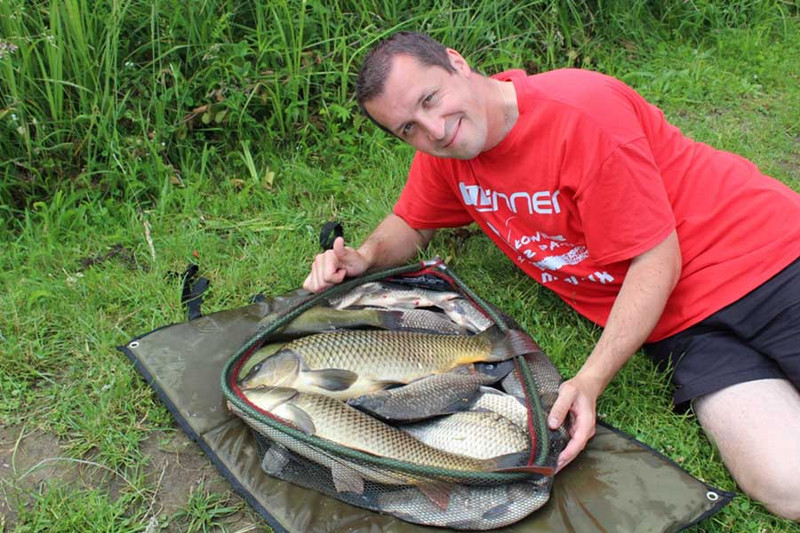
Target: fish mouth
[{"x": 455, "y": 134}]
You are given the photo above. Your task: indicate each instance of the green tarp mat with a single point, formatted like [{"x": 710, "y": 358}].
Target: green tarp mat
[{"x": 617, "y": 484}]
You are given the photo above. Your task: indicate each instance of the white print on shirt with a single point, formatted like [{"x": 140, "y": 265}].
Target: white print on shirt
[
  {"x": 539, "y": 248},
  {"x": 539, "y": 202},
  {"x": 598, "y": 277},
  {"x": 555, "y": 262},
  {"x": 550, "y": 264}
]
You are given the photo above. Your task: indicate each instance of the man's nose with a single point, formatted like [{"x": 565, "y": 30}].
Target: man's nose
[{"x": 435, "y": 128}]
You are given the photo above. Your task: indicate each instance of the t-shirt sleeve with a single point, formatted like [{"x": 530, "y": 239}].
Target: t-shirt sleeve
[
  {"x": 427, "y": 201},
  {"x": 624, "y": 207}
]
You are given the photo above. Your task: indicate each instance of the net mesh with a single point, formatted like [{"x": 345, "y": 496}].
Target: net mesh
[{"x": 459, "y": 498}]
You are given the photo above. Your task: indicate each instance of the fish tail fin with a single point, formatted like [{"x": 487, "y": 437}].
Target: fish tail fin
[
  {"x": 517, "y": 462},
  {"x": 530, "y": 469},
  {"x": 508, "y": 462},
  {"x": 509, "y": 343}
]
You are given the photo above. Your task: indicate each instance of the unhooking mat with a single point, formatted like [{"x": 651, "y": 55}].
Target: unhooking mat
[{"x": 617, "y": 484}]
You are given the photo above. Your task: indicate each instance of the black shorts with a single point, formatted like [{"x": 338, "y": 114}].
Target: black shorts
[{"x": 756, "y": 337}]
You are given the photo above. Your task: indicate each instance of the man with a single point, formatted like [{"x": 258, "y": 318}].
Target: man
[{"x": 661, "y": 240}]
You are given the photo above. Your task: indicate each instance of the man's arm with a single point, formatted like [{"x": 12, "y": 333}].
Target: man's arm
[
  {"x": 648, "y": 283},
  {"x": 392, "y": 243}
]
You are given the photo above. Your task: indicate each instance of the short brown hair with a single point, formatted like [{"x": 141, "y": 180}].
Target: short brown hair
[{"x": 375, "y": 69}]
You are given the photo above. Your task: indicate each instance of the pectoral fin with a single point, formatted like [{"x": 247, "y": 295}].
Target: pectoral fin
[
  {"x": 345, "y": 479},
  {"x": 297, "y": 417},
  {"x": 332, "y": 379}
]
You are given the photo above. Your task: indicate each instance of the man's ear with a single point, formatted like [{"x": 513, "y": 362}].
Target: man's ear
[{"x": 458, "y": 62}]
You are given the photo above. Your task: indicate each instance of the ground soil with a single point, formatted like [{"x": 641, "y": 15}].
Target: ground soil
[{"x": 30, "y": 460}]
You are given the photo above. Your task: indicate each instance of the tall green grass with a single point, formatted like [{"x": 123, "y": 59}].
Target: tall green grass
[{"x": 115, "y": 96}]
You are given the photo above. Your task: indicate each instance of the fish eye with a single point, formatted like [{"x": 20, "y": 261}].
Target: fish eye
[{"x": 255, "y": 370}]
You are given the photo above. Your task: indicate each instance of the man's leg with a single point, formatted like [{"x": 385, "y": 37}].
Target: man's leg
[{"x": 756, "y": 427}]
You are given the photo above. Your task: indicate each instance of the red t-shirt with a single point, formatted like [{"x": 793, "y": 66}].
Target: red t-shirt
[{"x": 590, "y": 176}]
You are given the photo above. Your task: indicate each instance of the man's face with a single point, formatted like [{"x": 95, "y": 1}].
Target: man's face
[{"x": 435, "y": 111}]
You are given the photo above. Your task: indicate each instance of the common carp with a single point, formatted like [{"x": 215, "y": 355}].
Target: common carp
[
  {"x": 470, "y": 507},
  {"x": 425, "y": 398},
  {"x": 347, "y": 364},
  {"x": 333, "y": 420},
  {"x": 320, "y": 319},
  {"x": 478, "y": 434}
]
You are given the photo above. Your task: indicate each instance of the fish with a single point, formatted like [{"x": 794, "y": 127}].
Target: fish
[
  {"x": 466, "y": 314},
  {"x": 385, "y": 295},
  {"x": 350, "y": 363},
  {"x": 333, "y": 420},
  {"x": 470, "y": 507},
  {"x": 427, "y": 397},
  {"x": 489, "y": 372},
  {"x": 347, "y": 476},
  {"x": 495, "y": 401},
  {"x": 547, "y": 389},
  {"x": 319, "y": 319},
  {"x": 425, "y": 320},
  {"x": 259, "y": 355},
  {"x": 511, "y": 384},
  {"x": 478, "y": 434},
  {"x": 393, "y": 296}
]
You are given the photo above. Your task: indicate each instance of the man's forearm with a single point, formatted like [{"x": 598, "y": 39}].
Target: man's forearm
[
  {"x": 636, "y": 311},
  {"x": 393, "y": 242}
]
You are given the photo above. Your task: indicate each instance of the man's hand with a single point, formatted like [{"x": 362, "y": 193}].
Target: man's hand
[
  {"x": 578, "y": 401},
  {"x": 332, "y": 266}
]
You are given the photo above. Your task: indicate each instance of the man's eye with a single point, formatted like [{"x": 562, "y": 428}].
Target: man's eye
[
  {"x": 406, "y": 129},
  {"x": 429, "y": 98}
]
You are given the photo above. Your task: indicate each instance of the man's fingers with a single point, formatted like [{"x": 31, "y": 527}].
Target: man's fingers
[
  {"x": 338, "y": 248},
  {"x": 326, "y": 270},
  {"x": 561, "y": 407},
  {"x": 582, "y": 431},
  {"x": 569, "y": 453}
]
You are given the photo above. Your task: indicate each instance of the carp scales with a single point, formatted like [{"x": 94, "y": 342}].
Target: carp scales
[
  {"x": 347, "y": 364},
  {"x": 422, "y": 319},
  {"x": 470, "y": 507},
  {"x": 319, "y": 319},
  {"x": 427, "y": 397},
  {"x": 347, "y": 476},
  {"x": 333, "y": 420},
  {"x": 377, "y": 294},
  {"x": 495, "y": 401},
  {"x": 478, "y": 434}
]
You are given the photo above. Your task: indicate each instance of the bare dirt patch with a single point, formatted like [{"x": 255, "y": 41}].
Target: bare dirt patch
[{"x": 175, "y": 468}]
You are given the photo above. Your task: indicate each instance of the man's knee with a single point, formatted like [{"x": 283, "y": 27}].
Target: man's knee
[
  {"x": 756, "y": 427},
  {"x": 776, "y": 489}
]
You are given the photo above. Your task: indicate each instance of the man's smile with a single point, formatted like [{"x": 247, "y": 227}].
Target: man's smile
[{"x": 455, "y": 134}]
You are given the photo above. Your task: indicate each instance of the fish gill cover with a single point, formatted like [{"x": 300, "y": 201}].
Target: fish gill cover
[{"x": 405, "y": 395}]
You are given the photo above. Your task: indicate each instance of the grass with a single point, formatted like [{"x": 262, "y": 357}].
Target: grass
[{"x": 225, "y": 133}]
